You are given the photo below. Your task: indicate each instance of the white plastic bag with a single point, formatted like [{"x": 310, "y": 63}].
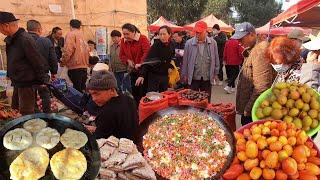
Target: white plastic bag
[{"x": 63, "y": 74}]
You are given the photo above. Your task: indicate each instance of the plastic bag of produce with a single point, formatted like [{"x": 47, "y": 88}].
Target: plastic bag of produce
[
  {"x": 227, "y": 111},
  {"x": 172, "y": 97},
  {"x": 147, "y": 107},
  {"x": 188, "y": 97}
]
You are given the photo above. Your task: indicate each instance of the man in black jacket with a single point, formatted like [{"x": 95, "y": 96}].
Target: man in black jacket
[
  {"x": 47, "y": 51},
  {"x": 221, "y": 39},
  {"x": 118, "y": 115},
  {"x": 57, "y": 40},
  {"x": 25, "y": 64}
]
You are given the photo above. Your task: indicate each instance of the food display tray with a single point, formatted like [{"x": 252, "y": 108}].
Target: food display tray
[
  {"x": 60, "y": 123},
  {"x": 188, "y": 109}
]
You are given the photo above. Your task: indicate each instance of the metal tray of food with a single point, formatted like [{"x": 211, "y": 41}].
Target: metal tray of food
[
  {"x": 60, "y": 123},
  {"x": 188, "y": 109}
]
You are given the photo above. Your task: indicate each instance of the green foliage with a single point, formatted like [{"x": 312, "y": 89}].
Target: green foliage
[
  {"x": 179, "y": 11},
  {"x": 258, "y": 12}
]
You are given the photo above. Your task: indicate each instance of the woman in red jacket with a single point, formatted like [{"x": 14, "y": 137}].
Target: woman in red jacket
[{"x": 134, "y": 48}]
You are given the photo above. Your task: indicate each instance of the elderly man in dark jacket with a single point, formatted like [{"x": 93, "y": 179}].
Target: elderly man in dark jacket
[
  {"x": 46, "y": 49},
  {"x": 25, "y": 64}
]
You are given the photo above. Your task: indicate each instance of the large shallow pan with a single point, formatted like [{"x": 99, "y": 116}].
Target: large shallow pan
[
  {"x": 60, "y": 123},
  {"x": 187, "y": 109}
]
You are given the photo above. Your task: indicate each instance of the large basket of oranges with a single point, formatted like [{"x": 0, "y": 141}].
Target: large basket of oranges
[{"x": 269, "y": 149}]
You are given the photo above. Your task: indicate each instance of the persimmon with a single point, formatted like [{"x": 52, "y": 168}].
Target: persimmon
[
  {"x": 289, "y": 166},
  {"x": 280, "y": 175},
  {"x": 268, "y": 173}
]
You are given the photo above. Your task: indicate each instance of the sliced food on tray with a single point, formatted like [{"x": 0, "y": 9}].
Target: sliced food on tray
[
  {"x": 35, "y": 125},
  {"x": 121, "y": 160},
  {"x": 17, "y": 139},
  {"x": 186, "y": 146},
  {"x": 30, "y": 164},
  {"x": 73, "y": 139},
  {"x": 68, "y": 164},
  {"x": 48, "y": 138}
]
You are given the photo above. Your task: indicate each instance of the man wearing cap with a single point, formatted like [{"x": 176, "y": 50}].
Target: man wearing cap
[
  {"x": 200, "y": 60},
  {"x": 25, "y": 64},
  {"x": 118, "y": 114},
  {"x": 300, "y": 38},
  {"x": 256, "y": 75}
]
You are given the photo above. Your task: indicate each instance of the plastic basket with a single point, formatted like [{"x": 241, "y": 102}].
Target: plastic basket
[{"x": 264, "y": 96}]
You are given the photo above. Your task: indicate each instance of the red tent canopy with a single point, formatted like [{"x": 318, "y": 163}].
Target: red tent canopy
[
  {"x": 154, "y": 27},
  {"x": 212, "y": 20},
  {"x": 279, "y": 30},
  {"x": 306, "y": 13}
]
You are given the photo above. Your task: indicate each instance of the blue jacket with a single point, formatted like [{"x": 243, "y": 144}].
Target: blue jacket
[{"x": 190, "y": 55}]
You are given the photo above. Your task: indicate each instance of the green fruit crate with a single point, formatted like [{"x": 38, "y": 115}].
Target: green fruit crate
[{"x": 264, "y": 96}]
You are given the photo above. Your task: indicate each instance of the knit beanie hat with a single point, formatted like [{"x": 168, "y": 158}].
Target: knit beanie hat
[
  {"x": 102, "y": 80},
  {"x": 100, "y": 66}
]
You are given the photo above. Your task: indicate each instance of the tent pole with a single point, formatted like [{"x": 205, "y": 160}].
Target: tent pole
[{"x": 72, "y": 9}]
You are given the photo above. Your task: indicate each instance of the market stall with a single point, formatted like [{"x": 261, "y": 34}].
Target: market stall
[
  {"x": 154, "y": 27},
  {"x": 212, "y": 20},
  {"x": 306, "y": 13},
  {"x": 278, "y": 31}
]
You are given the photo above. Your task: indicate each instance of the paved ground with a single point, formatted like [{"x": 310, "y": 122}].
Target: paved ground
[{"x": 219, "y": 95}]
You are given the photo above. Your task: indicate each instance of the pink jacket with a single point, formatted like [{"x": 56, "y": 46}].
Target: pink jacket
[{"x": 76, "y": 51}]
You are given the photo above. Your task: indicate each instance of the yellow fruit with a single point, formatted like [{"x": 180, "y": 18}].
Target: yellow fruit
[
  {"x": 298, "y": 123},
  {"x": 299, "y": 104},
  {"x": 306, "y": 107},
  {"x": 307, "y": 121},
  {"x": 294, "y": 112},
  {"x": 288, "y": 149},
  {"x": 265, "y": 130},
  {"x": 262, "y": 143},
  {"x": 251, "y": 149},
  {"x": 306, "y": 97},
  {"x": 313, "y": 113},
  {"x": 267, "y": 111},
  {"x": 259, "y": 113},
  {"x": 255, "y": 173},
  {"x": 283, "y": 140},
  {"x": 292, "y": 141},
  {"x": 250, "y": 164},
  {"x": 295, "y": 95},
  {"x": 314, "y": 123},
  {"x": 242, "y": 156},
  {"x": 272, "y": 139},
  {"x": 272, "y": 160},
  {"x": 282, "y": 100},
  {"x": 290, "y": 103},
  {"x": 288, "y": 119},
  {"x": 314, "y": 105},
  {"x": 265, "y": 103},
  {"x": 283, "y": 155},
  {"x": 277, "y": 114}
]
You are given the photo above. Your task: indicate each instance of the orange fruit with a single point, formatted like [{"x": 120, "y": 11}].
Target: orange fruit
[
  {"x": 243, "y": 176},
  {"x": 289, "y": 166},
  {"x": 280, "y": 175},
  {"x": 300, "y": 154},
  {"x": 282, "y": 155},
  {"x": 238, "y": 135},
  {"x": 288, "y": 149},
  {"x": 262, "y": 143},
  {"x": 262, "y": 164},
  {"x": 292, "y": 140},
  {"x": 272, "y": 160},
  {"x": 242, "y": 156},
  {"x": 250, "y": 164},
  {"x": 305, "y": 175},
  {"x": 312, "y": 168},
  {"x": 276, "y": 146},
  {"x": 275, "y": 132},
  {"x": 301, "y": 166},
  {"x": 265, "y": 153},
  {"x": 251, "y": 149},
  {"x": 255, "y": 173},
  {"x": 282, "y": 126},
  {"x": 268, "y": 174}
]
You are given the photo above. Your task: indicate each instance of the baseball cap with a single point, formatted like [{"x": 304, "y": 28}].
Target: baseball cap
[
  {"x": 297, "y": 34},
  {"x": 6, "y": 17},
  {"x": 200, "y": 27},
  {"x": 242, "y": 30},
  {"x": 313, "y": 45}
]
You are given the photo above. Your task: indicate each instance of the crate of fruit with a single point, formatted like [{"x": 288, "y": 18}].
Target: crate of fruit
[
  {"x": 273, "y": 149},
  {"x": 296, "y": 103},
  {"x": 188, "y": 97}
]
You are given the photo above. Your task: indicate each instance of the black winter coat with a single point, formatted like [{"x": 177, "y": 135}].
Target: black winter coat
[
  {"x": 26, "y": 66},
  {"x": 46, "y": 49},
  {"x": 159, "y": 51}
]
